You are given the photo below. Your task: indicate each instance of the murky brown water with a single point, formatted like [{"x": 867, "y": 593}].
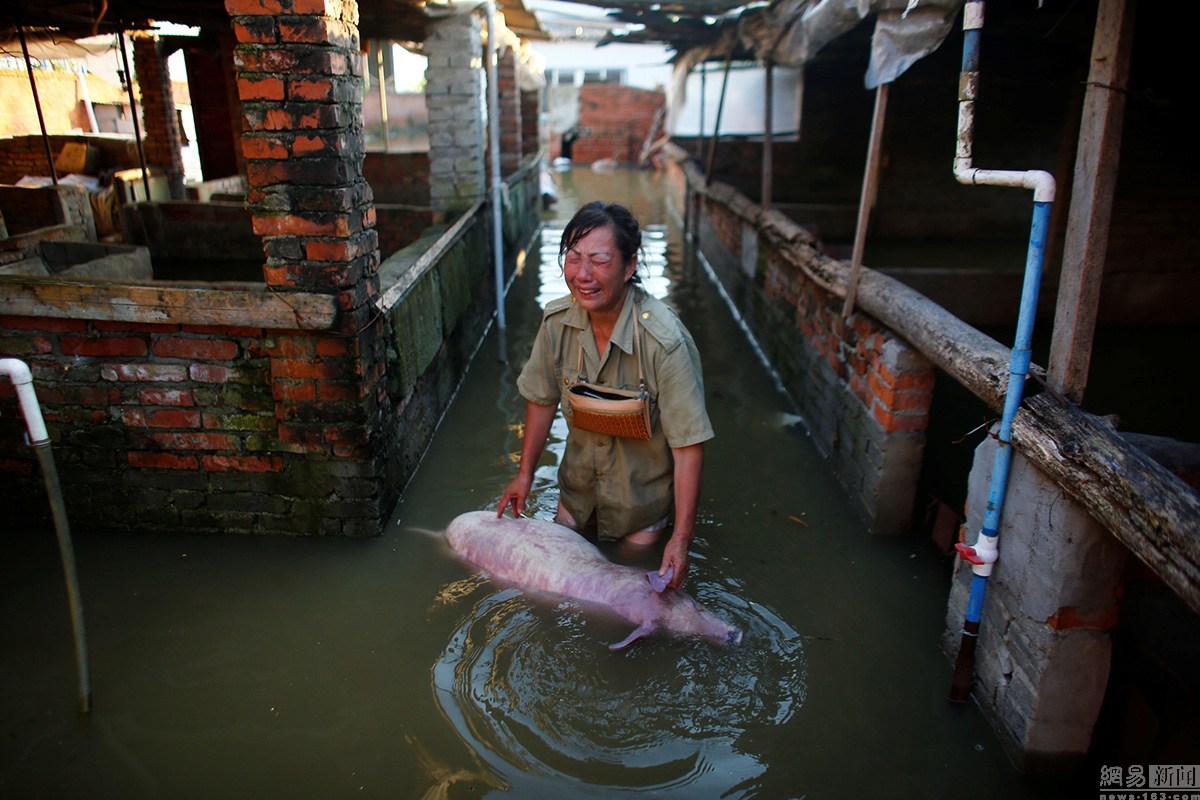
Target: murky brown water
[{"x": 233, "y": 667}]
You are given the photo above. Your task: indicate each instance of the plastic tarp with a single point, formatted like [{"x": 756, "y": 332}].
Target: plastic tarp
[
  {"x": 792, "y": 32},
  {"x": 47, "y": 43}
]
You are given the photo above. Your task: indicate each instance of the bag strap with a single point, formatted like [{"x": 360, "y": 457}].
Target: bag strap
[{"x": 637, "y": 349}]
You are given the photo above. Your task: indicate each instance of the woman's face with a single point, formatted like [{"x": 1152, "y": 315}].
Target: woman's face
[{"x": 596, "y": 274}]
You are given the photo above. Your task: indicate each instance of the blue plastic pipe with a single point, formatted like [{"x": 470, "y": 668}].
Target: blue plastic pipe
[{"x": 982, "y": 555}]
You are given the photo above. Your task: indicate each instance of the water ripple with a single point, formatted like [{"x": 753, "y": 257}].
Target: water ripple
[{"x": 534, "y": 692}]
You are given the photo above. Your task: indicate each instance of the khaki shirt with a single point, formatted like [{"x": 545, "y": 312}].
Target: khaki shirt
[{"x": 627, "y": 483}]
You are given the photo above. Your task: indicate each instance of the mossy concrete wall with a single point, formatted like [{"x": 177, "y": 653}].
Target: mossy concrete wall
[{"x": 1044, "y": 649}]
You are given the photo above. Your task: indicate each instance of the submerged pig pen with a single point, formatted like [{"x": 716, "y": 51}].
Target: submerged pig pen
[{"x": 243, "y": 407}]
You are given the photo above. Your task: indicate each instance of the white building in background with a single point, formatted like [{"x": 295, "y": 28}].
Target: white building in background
[
  {"x": 576, "y": 62},
  {"x": 573, "y": 59},
  {"x": 570, "y": 64},
  {"x": 744, "y": 113}
]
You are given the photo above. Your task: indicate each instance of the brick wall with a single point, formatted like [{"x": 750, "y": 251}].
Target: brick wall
[
  {"x": 164, "y": 427},
  {"x": 297, "y": 407},
  {"x": 26, "y": 155},
  {"x": 530, "y": 123},
  {"x": 863, "y": 392},
  {"x": 161, "y": 143},
  {"x": 58, "y": 93},
  {"x": 509, "y": 97},
  {"x": 234, "y": 425},
  {"x": 398, "y": 177},
  {"x": 301, "y": 94},
  {"x": 400, "y": 184},
  {"x": 188, "y": 231},
  {"x": 614, "y": 121}
]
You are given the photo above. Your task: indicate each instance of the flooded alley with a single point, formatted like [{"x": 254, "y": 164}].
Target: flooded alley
[{"x": 330, "y": 667}]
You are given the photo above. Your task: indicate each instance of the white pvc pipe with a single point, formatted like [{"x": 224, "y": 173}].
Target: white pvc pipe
[
  {"x": 1041, "y": 182},
  {"x": 18, "y": 372}
]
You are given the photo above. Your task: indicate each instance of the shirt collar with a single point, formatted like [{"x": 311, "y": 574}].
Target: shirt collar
[{"x": 622, "y": 332}]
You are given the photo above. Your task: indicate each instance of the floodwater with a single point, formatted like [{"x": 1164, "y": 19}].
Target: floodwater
[{"x": 307, "y": 668}]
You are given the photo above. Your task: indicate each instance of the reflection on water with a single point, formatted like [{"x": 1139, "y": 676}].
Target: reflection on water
[{"x": 534, "y": 692}]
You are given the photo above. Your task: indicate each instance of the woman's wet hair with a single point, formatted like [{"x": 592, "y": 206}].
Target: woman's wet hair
[{"x": 627, "y": 234}]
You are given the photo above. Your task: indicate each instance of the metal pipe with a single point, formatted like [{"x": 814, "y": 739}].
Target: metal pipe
[
  {"x": 496, "y": 186},
  {"x": 18, "y": 372},
  {"x": 983, "y": 554},
  {"x": 133, "y": 112},
  {"x": 712, "y": 147},
  {"x": 37, "y": 104}
]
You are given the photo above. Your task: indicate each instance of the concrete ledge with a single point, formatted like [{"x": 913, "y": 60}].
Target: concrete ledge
[{"x": 177, "y": 303}]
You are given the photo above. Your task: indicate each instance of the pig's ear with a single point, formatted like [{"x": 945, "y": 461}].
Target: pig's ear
[
  {"x": 642, "y": 630},
  {"x": 659, "y": 582}
]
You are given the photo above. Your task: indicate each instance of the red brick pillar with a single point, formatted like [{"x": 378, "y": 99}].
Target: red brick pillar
[
  {"x": 509, "y": 97},
  {"x": 531, "y": 114},
  {"x": 161, "y": 125},
  {"x": 300, "y": 84},
  {"x": 234, "y": 101}
]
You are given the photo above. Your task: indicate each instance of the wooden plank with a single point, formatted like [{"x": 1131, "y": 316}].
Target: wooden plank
[
  {"x": 867, "y": 196},
  {"x": 1086, "y": 243},
  {"x": 1154, "y": 513},
  {"x": 169, "y": 303}
]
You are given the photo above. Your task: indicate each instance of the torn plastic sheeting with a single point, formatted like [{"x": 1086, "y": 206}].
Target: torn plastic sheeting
[
  {"x": 792, "y": 32},
  {"x": 902, "y": 40}
]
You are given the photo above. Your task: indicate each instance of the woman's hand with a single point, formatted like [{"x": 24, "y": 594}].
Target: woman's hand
[
  {"x": 515, "y": 495},
  {"x": 675, "y": 554},
  {"x": 538, "y": 419}
]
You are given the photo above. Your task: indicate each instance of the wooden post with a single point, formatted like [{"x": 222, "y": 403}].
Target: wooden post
[
  {"x": 383, "y": 109},
  {"x": 867, "y": 198},
  {"x": 1096, "y": 164}
]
